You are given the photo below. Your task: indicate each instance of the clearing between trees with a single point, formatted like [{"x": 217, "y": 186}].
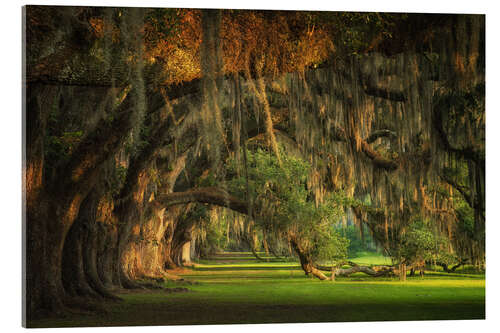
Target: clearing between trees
[{"x": 237, "y": 288}]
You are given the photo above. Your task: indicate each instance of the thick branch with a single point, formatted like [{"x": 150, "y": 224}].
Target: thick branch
[
  {"x": 209, "y": 195},
  {"x": 305, "y": 260},
  {"x": 379, "y": 134},
  {"x": 95, "y": 149},
  {"x": 378, "y": 160},
  {"x": 468, "y": 153}
]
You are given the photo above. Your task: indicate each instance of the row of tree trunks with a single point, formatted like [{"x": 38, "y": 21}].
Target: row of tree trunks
[
  {"x": 251, "y": 239},
  {"x": 153, "y": 236},
  {"x": 70, "y": 253},
  {"x": 53, "y": 207},
  {"x": 149, "y": 257},
  {"x": 140, "y": 260},
  {"x": 80, "y": 258}
]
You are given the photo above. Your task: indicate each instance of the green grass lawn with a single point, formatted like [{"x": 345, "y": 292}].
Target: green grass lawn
[
  {"x": 369, "y": 258},
  {"x": 249, "y": 291}
]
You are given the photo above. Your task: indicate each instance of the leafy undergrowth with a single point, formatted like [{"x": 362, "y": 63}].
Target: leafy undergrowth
[{"x": 250, "y": 291}]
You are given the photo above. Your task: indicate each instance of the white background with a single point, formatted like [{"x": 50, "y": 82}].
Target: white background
[{"x": 10, "y": 159}]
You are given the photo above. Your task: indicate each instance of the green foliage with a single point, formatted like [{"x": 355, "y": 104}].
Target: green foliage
[
  {"x": 211, "y": 232},
  {"x": 448, "y": 258},
  {"x": 283, "y": 203},
  {"x": 464, "y": 212},
  {"x": 419, "y": 243},
  {"x": 209, "y": 180},
  {"x": 465, "y": 215},
  {"x": 213, "y": 241},
  {"x": 356, "y": 244},
  {"x": 329, "y": 246}
]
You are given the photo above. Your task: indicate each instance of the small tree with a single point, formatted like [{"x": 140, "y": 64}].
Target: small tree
[
  {"x": 284, "y": 204},
  {"x": 332, "y": 248},
  {"x": 418, "y": 245}
]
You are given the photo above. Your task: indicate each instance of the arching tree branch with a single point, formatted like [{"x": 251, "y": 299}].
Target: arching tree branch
[
  {"x": 378, "y": 160},
  {"x": 380, "y": 134},
  {"x": 208, "y": 195},
  {"x": 468, "y": 153}
]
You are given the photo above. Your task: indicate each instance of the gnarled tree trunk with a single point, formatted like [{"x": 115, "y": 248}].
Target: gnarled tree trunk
[{"x": 305, "y": 260}]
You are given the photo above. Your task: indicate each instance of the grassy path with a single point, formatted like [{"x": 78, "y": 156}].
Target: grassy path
[{"x": 235, "y": 288}]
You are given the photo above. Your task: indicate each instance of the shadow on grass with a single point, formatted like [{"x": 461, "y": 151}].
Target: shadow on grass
[{"x": 181, "y": 313}]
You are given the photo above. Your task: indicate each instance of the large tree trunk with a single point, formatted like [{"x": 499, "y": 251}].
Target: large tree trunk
[
  {"x": 44, "y": 270},
  {"x": 90, "y": 255},
  {"x": 80, "y": 254},
  {"x": 168, "y": 237},
  {"x": 402, "y": 271},
  {"x": 73, "y": 273},
  {"x": 45, "y": 292},
  {"x": 134, "y": 198},
  {"x": 186, "y": 254},
  {"x": 305, "y": 260},
  {"x": 108, "y": 241},
  {"x": 182, "y": 235},
  {"x": 35, "y": 213}
]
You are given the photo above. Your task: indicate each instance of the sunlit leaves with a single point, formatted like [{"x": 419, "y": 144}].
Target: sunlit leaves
[
  {"x": 284, "y": 203},
  {"x": 419, "y": 243}
]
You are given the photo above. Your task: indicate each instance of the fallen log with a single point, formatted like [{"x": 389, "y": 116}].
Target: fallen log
[{"x": 374, "y": 271}]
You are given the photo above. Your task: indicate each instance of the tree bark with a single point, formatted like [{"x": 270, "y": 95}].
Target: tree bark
[
  {"x": 251, "y": 240},
  {"x": 306, "y": 261},
  {"x": 90, "y": 261},
  {"x": 105, "y": 261},
  {"x": 74, "y": 278},
  {"x": 209, "y": 195},
  {"x": 402, "y": 271},
  {"x": 186, "y": 254}
]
